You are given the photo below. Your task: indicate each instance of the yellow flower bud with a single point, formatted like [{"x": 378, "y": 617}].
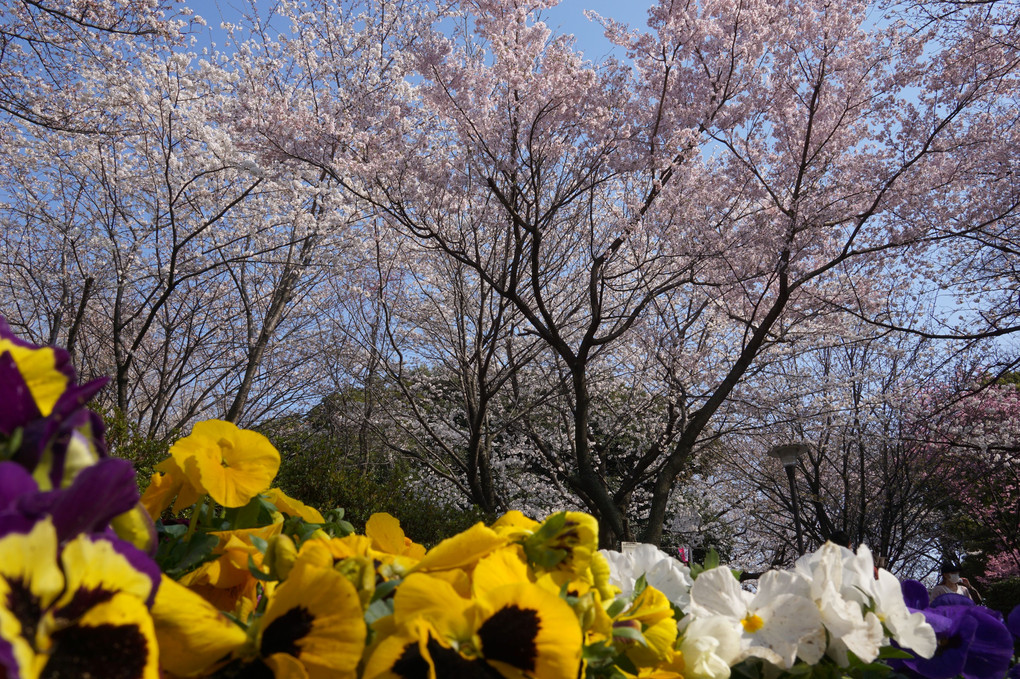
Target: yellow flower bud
[{"x": 281, "y": 553}]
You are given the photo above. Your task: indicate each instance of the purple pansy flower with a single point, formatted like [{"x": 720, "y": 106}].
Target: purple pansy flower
[
  {"x": 42, "y": 405},
  {"x": 96, "y": 495},
  {"x": 973, "y": 642}
]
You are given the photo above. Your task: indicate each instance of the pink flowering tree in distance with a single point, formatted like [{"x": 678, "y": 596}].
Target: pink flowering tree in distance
[{"x": 978, "y": 440}]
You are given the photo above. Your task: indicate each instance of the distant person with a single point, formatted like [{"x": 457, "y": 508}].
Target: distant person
[{"x": 953, "y": 583}]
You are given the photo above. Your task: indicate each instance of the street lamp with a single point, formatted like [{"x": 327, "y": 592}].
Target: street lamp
[{"x": 788, "y": 454}]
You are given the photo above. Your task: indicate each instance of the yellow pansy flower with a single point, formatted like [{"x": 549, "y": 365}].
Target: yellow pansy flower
[
  {"x": 85, "y": 617},
  {"x": 316, "y": 618},
  {"x": 516, "y": 629},
  {"x": 232, "y": 465}
]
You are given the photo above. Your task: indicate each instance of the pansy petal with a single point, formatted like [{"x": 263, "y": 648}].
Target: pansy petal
[
  {"x": 97, "y": 568},
  {"x": 528, "y": 629},
  {"x": 232, "y": 465},
  {"x": 292, "y": 507},
  {"x": 94, "y": 498},
  {"x": 285, "y": 666},
  {"x": 28, "y": 564},
  {"x": 14, "y": 483},
  {"x": 135, "y": 526},
  {"x": 915, "y": 595},
  {"x": 316, "y": 617},
  {"x": 462, "y": 550},
  {"x": 19, "y": 405},
  {"x": 193, "y": 636},
  {"x": 38, "y": 370},
  {"x": 114, "y": 638}
]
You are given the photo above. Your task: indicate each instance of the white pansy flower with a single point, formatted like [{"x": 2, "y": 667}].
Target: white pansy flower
[
  {"x": 778, "y": 623},
  {"x": 839, "y": 602},
  {"x": 661, "y": 571},
  {"x": 709, "y": 646},
  {"x": 884, "y": 594}
]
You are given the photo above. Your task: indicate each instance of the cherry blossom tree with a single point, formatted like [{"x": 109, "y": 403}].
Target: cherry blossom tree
[
  {"x": 761, "y": 160},
  {"x": 46, "y": 45}
]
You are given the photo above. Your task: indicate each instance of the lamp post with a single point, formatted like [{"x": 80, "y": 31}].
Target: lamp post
[{"x": 788, "y": 453}]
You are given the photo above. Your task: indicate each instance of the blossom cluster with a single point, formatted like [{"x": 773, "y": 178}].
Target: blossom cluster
[{"x": 213, "y": 573}]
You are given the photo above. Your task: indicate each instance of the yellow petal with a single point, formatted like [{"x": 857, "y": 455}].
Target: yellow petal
[
  {"x": 232, "y": 465},
  {"x": 38, "y": 367},
  {"x": 504, "y": 566},
  {"x": 31, "y": 559},
  {"x": 95, "y": 565},
  {"x": 193, "y": 636},
  {"x": 462, "y": 550},
  {"x": 423, "y": 596},
  {"x": 514, "y": 524},
  {"x": 136, "y": 527},
  {"x": 386, "y": 534},
  {"x": 286, "y": 667},
  {"x": 526, "y": 631},
  {"x": 292, "y": 507}
]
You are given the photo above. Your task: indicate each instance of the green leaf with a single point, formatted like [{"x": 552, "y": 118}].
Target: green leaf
[
  {"x": 618, "y": 606},
  {"x": 640, "y": 585},
  {"x": 256, "y": 573},
  {"x": 378, "y": 609},
  {"x": 711, "y": 559},
  {"x": 176, "y": 555},
  {"x": 259, "y": 544},
  {"x": 383, "y": 590}
]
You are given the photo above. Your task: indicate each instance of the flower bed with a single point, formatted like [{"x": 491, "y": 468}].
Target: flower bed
[{"x": 235, "y": 579}]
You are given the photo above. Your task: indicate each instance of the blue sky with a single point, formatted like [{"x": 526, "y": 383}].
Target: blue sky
[{"x": 568, "y": 17}]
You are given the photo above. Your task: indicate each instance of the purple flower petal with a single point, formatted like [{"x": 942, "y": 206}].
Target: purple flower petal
[
  {"x": 951, "y": 599},
  {"x": 1013, "y": 623},
  {"x": 19, "y": 406},
  {"x": 954, "y": 638},
  {"x": 915, "y": 595},
  {"x": 8, "y": 664},
  {"x": 14, "y": 483},
  {"x": 97, "y": 494}
]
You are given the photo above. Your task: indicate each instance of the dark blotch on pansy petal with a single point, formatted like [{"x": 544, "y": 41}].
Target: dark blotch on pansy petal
[
  {"x": 103, "y": 651},
  {"x": 257, "y": 669},
  {"x": 509, "y": 636},
  {"x": 411, "y": 664},
  {"x": 282, "y": 634},
  {"x": 25, "y": 606},
  {"x": 449, "y": 664},
  {"x": 81, "y": 601}
]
